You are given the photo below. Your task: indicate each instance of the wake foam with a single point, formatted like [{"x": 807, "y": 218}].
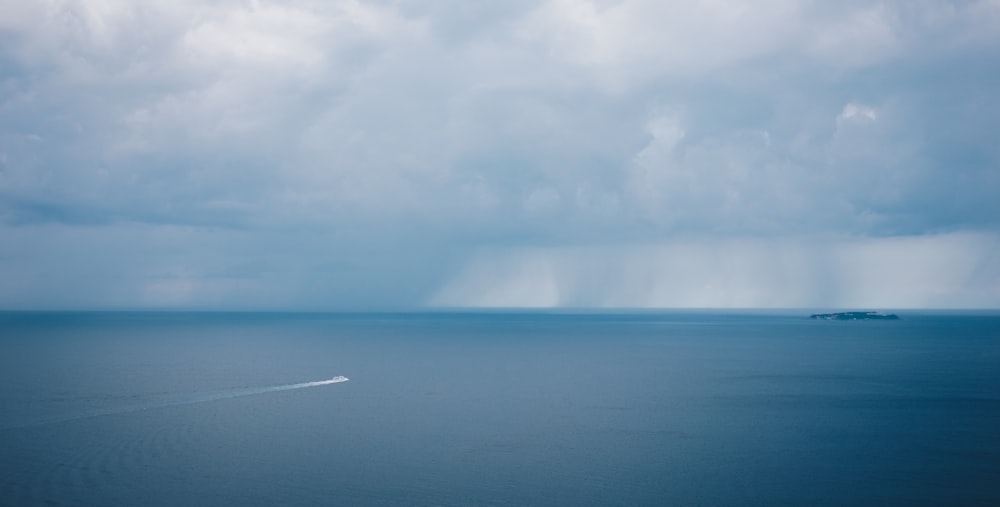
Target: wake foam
[{"x": 190, "y": 400}]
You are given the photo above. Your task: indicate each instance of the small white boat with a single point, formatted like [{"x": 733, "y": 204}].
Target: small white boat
[{"x": 339, "y": 378}]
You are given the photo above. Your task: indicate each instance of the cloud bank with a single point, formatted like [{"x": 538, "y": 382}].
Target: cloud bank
[{"x": 320, "y": 155}]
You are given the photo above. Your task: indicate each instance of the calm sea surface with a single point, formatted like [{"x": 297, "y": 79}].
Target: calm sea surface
[{"x": 109, "y": 409}]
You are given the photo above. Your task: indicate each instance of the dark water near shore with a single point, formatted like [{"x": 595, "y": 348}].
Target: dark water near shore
[{"x": 111, "y": 409}]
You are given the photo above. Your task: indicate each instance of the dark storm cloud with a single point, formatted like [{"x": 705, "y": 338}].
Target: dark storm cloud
[{"x": 409, "y": 143}]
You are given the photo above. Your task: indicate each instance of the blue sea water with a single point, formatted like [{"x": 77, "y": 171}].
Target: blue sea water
[{"x": 642, "y": 408}]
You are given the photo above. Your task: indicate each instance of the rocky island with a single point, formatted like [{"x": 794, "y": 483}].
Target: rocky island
[{"x": 855, "y": 316}]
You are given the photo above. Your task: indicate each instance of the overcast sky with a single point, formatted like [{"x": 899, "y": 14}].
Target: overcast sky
[{"x": 399, "y": 154}]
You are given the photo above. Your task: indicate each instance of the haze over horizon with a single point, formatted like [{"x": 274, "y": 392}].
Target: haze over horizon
[{"x": 437, "y": 154}]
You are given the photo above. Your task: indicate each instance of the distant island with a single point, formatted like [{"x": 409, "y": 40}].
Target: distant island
[{"x": 855, "y": 316}]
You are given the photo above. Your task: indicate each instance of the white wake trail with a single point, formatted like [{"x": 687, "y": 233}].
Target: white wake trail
[{"x": 190, "y": 400}]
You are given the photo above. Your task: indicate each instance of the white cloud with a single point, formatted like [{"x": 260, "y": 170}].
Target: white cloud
[
  {"x": 621, "y": 42},
  {"x": 857, "y": 112},
  {"x": 857, "y": 37}
]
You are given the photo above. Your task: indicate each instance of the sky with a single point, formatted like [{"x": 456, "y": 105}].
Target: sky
[{"x": 325, "y": 155}]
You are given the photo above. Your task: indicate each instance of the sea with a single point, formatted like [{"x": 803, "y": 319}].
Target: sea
[{"x": 522, "y": 408}]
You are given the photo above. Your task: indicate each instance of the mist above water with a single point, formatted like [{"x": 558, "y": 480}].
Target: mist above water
[{"x": 943, "y": 271}]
